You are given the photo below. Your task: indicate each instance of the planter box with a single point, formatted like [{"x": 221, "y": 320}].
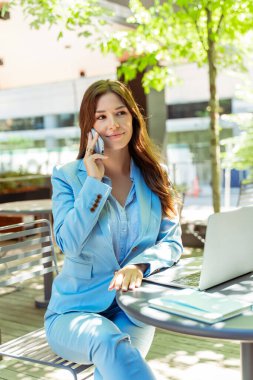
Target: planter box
[
  {"x": 25, "y": 188},
  {"x": 26, "y": 195},
  {"x": 16, "y": 193},
  {"x": 7, "y": 220}
]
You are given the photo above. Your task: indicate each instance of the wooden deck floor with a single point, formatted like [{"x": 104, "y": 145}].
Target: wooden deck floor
[{"x": 172, "y": 356}]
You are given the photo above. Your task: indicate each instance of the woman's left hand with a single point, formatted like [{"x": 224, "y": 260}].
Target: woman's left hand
[{"x": 128, "y": 278}]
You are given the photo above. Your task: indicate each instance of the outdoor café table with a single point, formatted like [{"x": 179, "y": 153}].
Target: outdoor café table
[
  {"x": 135, "y": 303},
  {"x": 42, "y": 209}
]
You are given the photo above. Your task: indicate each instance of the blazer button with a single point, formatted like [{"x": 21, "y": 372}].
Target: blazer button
[
  {"x": 99, "y": 196},
  {"x": 92, "y": 209}
]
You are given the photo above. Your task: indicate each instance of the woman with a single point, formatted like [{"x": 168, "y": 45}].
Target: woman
[{"x": 115, "y": 221}]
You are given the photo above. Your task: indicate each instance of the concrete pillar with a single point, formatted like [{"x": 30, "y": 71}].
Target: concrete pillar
[
  {"x": 50, "y": 122},
  {"x": 156, "y": 109}
]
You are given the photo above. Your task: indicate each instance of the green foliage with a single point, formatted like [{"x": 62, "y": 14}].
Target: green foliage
[
  {"x": 3, "y": 9},
  {"x": 83, "y": 17},
  {"x": 166, "y": 33},
  {"x": 16, "y": 143},
  {"x": 176, "y": 31},
  {"x": 239, "y": 149},
  {"x": 162, "y": 35}
]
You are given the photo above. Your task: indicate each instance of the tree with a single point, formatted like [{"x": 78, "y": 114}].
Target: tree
[{"x": 207, "y": 32}]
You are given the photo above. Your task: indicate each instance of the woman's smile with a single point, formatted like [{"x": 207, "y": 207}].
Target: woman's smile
[{"x": 116, "y": 135}]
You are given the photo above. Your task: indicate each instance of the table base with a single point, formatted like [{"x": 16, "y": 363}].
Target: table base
[
  {"x": 41, "y": 303},
  {"x": 247, "y": 360}
]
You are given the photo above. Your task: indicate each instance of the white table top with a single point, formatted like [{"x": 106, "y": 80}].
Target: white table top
[
  {"x": 135, "y": 303},
  {"x": 31, "y": 207}
]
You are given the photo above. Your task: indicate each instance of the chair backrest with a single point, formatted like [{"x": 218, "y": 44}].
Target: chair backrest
[
  {"x": 26, "y": 251},
  {"x": 246, "y": 194}
]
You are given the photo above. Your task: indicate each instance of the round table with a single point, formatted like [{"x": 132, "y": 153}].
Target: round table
[{"x": 135, "y": 303}]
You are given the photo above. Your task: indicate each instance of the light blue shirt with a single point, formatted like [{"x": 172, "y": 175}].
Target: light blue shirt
[{"x": 124, "y": 221}]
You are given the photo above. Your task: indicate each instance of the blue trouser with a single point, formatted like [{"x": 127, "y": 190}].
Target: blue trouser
[{"x": 110, "y": 340}]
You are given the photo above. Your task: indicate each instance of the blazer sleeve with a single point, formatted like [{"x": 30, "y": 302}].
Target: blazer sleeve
[
  {"x": 167, "y": 250},
  {"x": 74, "y": 218}
]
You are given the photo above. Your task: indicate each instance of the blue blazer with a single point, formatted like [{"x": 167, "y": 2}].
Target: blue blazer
[{"x": 82, "y": 232}]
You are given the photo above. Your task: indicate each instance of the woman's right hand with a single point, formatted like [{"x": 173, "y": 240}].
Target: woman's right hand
[{"x": 94, "y": 161}]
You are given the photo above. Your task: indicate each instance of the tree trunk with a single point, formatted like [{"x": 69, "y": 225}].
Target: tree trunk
[{"x": 214, "y": 121}]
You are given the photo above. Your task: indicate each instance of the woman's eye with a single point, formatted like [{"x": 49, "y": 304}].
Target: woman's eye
[
  {"x": 101, "y": 117},
  {"x": 121, "y": 113}
]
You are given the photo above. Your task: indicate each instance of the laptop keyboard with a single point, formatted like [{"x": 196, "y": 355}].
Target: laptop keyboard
[{"x": 190, "y": 280}]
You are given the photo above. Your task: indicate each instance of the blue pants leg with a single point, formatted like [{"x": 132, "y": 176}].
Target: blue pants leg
[
  {"x": 93, "y": 338},
  {"x": 140, "y": 337}
]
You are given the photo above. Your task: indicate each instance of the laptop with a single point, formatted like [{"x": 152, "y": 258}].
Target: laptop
[{"x": 228, "y": 251}]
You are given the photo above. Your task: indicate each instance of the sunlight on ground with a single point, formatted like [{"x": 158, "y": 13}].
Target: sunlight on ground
[
  {"x": 177, "y": 357},
  {"x": 191, "y": 363},
  {"x": 192, "y": 252},
  {"x": 191, "y": 370}
]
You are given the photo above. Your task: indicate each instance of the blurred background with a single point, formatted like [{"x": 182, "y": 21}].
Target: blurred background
[{"x": 42, "y": 81}]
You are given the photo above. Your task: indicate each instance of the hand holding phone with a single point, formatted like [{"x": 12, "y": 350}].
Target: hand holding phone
[
  {"x": 99, "y": 147},
  {"x": 94, "y": 156}
]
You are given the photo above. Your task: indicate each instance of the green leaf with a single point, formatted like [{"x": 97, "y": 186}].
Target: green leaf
[{"x": 60, "y": 35}]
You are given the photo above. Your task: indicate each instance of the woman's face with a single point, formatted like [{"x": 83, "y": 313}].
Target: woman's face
[{"x": 113, "y": 121}]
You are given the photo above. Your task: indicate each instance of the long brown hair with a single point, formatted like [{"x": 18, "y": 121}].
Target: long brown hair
[{"x": 144, "y": 153}]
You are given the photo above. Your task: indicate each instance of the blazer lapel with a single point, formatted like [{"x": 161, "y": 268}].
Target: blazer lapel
[{"x": 103, "y": 218}]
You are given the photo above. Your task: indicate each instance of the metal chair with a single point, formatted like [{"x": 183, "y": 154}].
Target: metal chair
[{"x": 27, "y": 251}]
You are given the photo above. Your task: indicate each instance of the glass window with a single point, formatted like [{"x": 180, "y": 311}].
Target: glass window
[
  {"x": 66, "y": 120},
  {"x": 196, "y": 109},
  {"x": 21, "y": 124}
]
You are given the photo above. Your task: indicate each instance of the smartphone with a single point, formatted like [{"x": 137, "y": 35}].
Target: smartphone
[{"x": 99, "y": 147}]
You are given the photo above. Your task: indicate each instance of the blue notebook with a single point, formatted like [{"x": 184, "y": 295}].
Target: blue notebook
[{"x": 200, "y": 306}]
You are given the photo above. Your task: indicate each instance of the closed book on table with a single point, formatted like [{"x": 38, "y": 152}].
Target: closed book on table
[{"x": 201, "y": 306}]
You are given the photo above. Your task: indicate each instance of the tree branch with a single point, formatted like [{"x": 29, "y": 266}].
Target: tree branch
[
  {"x": 197, "y": 29},
  {"x": 221, "y": 19}
]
